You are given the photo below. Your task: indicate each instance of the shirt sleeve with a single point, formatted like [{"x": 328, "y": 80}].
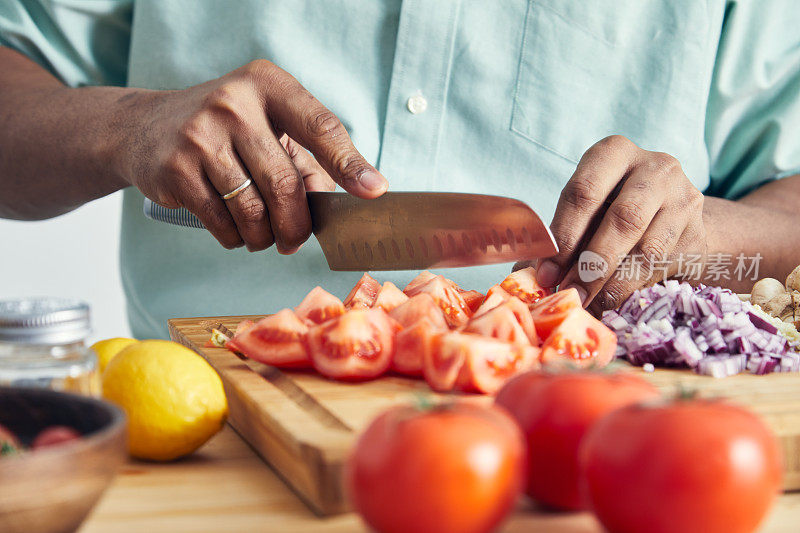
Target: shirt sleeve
[
  {"x": 753, "y": 112},
  {"x": 82, "y": 42}
]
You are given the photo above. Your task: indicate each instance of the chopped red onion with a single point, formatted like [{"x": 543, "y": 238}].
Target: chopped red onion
[
  {"x": 708, "y": 329},
  {"x": 760, "y": 323}
]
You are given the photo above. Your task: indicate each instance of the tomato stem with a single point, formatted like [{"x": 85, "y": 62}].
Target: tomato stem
[
  {"x": 685, "y": 393},
  {"x": 424, "y": 402}
]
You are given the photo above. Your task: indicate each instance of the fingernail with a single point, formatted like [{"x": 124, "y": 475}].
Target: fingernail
[
  {"x": 288, "y": 251},
  {"x": 372, "y": 181},
  {"x": 581, "y": 292},
  {"x": 547, "y": 274}
]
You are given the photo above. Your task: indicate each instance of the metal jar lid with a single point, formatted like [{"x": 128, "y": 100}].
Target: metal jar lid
[{"x": 44, "y": 321}]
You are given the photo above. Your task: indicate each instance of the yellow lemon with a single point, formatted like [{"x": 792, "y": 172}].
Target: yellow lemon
[
  {"x": 108, "y": 348},
  {"x": 173, "y": 398}
]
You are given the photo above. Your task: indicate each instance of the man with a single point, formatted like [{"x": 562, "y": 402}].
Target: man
[{"x": 610, "y": 116}]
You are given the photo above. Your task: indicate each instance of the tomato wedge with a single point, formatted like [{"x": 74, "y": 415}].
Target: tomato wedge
[
  {"x": 490, "y": 363},
  {"x": 411, "y": 345},
  {"x": 422, "y": 284},
  {"x": 493, "y": 298},
  {"x": 474, "y": 363},
  {"x": 442, "y": 362},
  {"x": 319, "y": 306},
  {"x": 510, "y": 321},
  {"x": 389, "y": 297},
  {"x": 241, "y": 327},
  {"x": 277, "y": 340},
  {"x": 364, "y": 293},
  {"x": 581, "y": 340},
  {"x": 523, "y": 285},
  {"x": 354, "y": 346},
  {"x": 449, "y": 300},
  {"x": 421, "y": 279},
  {"x": 551, "y": 310},
  {"x": 473, "y": 299},
  {"x": 523, "y": 316},
  {"x": 244, "y": 325},
  {"x": 421, "y": 306},
  {"x": 497, "y": 291}
]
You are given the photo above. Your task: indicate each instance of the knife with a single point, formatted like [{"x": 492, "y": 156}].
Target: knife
[{"x": 413, "y": 230}]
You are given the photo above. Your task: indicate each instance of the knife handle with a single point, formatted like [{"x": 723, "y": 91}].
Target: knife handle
[{"x": 178, "y": 217}]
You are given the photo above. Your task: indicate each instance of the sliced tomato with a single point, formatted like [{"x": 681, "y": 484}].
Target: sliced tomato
[
  {"x": 581, "y": 340},
  {"x": 497, "y": 290},
  {"x": 473, "y": 299},
  {"x": 474, "y": 363},
  {"x": 421, "y": 279},
  {"x": 389, "y": 297},
  {"x": 319, "y": 306},
  {"x": 421, "y": 306},
  {"x": 241, "y": 328},
  {"x": 523, "y": 285},
  {"x": 354, "y": 346},
  {"x": 494, "y": 297},
  {"x": 523, "y": 316},
  {"x": 456, "y": 286},
  {"x": 244, "y": 325},
  {"x": 442, "y": 363},
  {"x": 449, "y": 300},
  {"x": 489, "y": 363},
  {"x": 277, "y": 340},
  {"x": 411, "y": 345},
  {"x": 551, "y": 310},
  {"x": 364, "y": 293},
  {"x": 510, "y": 321}
]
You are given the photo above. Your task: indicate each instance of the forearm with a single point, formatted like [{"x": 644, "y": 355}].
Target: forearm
[
  {"x": 766, "y": 222},
  {"x": 56, "y": 143}
]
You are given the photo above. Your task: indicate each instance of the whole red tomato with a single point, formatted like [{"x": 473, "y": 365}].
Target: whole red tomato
[
  {"x": 704, "y": 466},
  {"x": 455, "y": 468},
  {"x": 554, "y": 412}
]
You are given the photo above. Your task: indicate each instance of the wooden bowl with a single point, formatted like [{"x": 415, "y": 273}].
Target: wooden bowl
[{"x": 52, "y": 489}]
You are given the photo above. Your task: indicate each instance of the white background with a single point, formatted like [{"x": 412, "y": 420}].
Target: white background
[{"x": 74, "y": 255}]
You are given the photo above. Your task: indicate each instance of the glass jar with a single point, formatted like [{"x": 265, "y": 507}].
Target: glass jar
[{"x": 43, "y": 344}]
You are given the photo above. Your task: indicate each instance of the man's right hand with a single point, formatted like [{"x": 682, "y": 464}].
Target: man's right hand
[{"x": 188, "y": 148}]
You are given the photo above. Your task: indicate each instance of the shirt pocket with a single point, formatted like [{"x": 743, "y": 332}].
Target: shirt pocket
[{"x": 631, "y": 67}]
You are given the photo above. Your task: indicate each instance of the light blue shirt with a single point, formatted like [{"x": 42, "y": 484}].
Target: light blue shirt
[{"x": 516, "y": 90}]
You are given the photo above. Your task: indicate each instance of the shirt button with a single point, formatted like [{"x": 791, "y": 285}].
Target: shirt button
[{"x": 417, "y": 104}]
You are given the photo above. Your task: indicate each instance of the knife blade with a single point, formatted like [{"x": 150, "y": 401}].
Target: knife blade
[{"x": 413, "y": 230}]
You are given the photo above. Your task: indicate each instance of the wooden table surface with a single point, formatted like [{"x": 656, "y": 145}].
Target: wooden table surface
[{"x": 225, "y": 487}]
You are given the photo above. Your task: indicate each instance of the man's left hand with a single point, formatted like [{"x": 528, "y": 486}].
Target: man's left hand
[{"x": 623, "y": 201}]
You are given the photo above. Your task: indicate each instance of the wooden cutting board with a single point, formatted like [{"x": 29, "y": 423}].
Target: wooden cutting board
[{"x": 304, "y": 425}]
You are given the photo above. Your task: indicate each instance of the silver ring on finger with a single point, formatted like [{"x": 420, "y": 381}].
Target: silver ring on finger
[{"x": 235, "y": 192}]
